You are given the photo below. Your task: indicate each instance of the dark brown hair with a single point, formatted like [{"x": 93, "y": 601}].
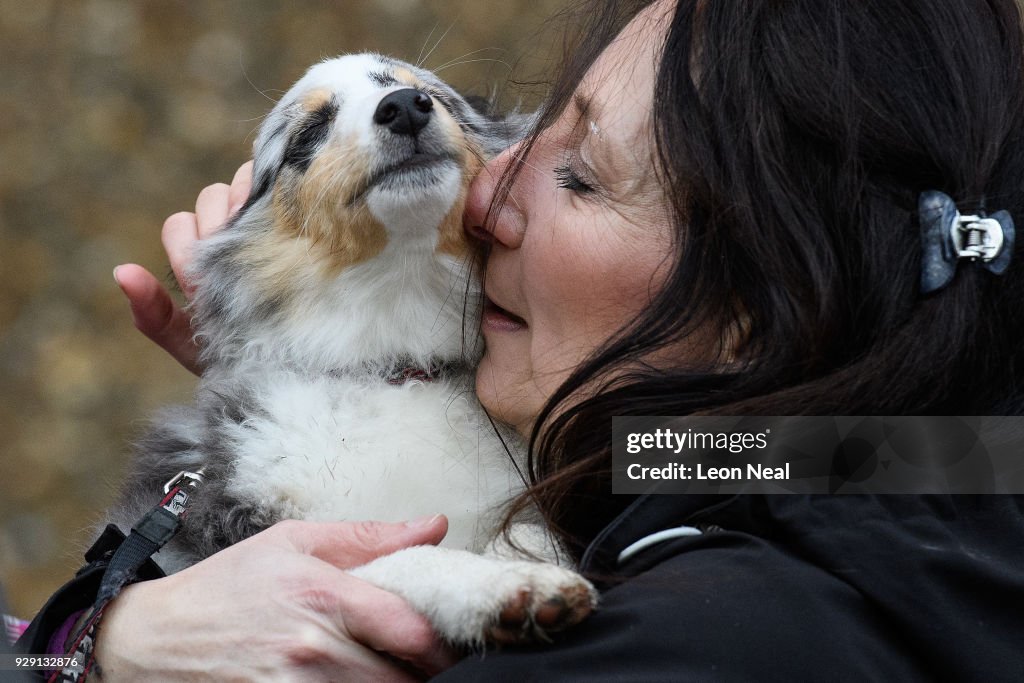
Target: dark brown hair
[{"x": 793, "y": 139}]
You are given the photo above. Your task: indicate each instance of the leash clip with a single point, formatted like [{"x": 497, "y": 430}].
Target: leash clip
[{"x": 196, "y": 478}]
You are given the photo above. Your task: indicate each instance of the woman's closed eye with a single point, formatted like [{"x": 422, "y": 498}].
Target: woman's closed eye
[{"x": 569, "y": 179}]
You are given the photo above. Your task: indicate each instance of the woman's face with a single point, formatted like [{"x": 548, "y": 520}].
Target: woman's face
[{"x": 583, "y": 241}]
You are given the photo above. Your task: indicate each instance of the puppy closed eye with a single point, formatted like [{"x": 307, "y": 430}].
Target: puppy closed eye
[{"x": 312, "y": 132}]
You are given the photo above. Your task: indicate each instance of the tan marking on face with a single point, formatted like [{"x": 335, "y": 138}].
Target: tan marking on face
[
  {"x": 312, "y": 208},
  {"x": 314, "y": 99},
  {"x": 282, "y": 267},
  {"x": 451, "y": 127},
  {"x": 451, "y": 238},
  {"x": 406, "y": 77},
  {"x": 451, "y": 235}
]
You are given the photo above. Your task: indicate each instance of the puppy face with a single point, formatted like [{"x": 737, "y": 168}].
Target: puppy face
[
  {"x": 350, "y": 249},
  {"x": 365, "y": 151}
]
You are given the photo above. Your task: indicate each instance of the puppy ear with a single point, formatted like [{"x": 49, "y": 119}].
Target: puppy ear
[
  {"x": 481, "y": 105},
  {"x": 504, "y": 128},
  {"x": 518, "y": 124},
  {"x": 268, "y": 154},
  {"x": 507, "y": 129}
]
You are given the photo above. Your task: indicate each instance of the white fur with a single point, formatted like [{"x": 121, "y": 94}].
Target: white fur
[{"x": 358, "y": 448}]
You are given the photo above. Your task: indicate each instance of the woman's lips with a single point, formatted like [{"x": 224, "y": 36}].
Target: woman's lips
[{"x": 498, "y": 319}]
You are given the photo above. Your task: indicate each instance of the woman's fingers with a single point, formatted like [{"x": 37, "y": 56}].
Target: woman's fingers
[
  {"x": 373, "y": 616},
  {"x": 156, "y": 315},
  {"x": 384, "y": 622},
  {"x": 179, "y": 235},
  {"x": 182, "y": 230},
  {"x": 241, "y": 185},
  {"x": 211, "y": 209},
  {"x": 154, "y": 312},
  {"x": 351, "y": 544}
]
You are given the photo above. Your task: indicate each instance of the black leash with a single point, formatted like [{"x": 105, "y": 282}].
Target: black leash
[
  {"x": 113, "y": 562},
  {"x": 149, "y": 534}
]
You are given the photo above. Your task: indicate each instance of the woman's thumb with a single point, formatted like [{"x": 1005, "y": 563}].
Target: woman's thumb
[{"x": 350, "y": 544}]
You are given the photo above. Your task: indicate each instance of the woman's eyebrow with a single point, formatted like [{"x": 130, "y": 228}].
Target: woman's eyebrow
[
  {"x": 584, "y": 105},
  {"x": 586, "y": 112}
]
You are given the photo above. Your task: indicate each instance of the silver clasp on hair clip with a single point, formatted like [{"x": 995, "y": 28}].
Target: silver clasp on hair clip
[
  {"x": 947, "y": 236},
  {"x": 976, "y": 237}
]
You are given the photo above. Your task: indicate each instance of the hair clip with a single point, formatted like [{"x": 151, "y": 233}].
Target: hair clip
[{"x": 947, "y": 236}]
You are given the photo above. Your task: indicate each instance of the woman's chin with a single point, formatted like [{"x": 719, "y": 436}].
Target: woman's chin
[{"x": 499, "y": 393}]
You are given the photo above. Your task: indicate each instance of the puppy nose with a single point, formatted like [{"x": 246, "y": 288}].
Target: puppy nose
[{"x": 405, "y": 111}]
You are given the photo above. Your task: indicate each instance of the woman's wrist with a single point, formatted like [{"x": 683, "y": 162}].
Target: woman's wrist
[{"x": 132, "y": 618}]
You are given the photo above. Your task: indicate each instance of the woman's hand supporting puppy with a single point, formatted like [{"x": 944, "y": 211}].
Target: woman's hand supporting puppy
[
  {"x": 277, "y": 607},
  {"x": 154, "y": 312}
]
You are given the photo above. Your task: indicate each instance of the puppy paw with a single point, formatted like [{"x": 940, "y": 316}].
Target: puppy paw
[
  {"x": 476, "y": 599},
  {"x": 532, "y": 613}
]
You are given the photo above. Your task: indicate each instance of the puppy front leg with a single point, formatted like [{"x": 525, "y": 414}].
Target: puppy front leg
[{"x": 472, "y": 599}]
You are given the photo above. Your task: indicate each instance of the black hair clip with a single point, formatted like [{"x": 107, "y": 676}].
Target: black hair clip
[{"x": 947, "y": 237}]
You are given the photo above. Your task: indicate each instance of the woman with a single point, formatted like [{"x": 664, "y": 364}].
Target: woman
[{"x": 717, "y": 213}]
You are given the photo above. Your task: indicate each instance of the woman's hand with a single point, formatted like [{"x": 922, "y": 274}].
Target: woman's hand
[
  {"x": 277, "y": 607},
  {"x": 154, "y": 311}
]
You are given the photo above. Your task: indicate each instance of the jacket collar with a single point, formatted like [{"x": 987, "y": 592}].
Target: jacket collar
[{"x": 646, "y": 515}]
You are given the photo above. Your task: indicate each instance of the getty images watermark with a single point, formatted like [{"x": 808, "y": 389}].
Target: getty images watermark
[{"x": 910, "y": 455}]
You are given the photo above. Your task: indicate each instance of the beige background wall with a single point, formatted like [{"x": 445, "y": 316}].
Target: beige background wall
[{"x": 113, "y": 114}]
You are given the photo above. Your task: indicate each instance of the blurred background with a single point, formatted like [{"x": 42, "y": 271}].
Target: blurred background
[{"x": 113, "y": 115}]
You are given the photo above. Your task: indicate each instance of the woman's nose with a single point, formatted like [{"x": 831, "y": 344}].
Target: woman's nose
[{"x": 506, "y": 223}]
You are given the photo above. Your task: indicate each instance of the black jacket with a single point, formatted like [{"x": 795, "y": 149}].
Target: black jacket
[{"x": 796, "y": 588}]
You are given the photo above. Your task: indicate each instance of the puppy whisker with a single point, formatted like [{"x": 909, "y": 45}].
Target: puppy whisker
[
  {"x": 420, "y": 57},
  {"x": 473, "y": 61},
  {"x": 443, "y": 36},
  {"x": 248, "y": 80},
  {"x": 468, "y": 54}
]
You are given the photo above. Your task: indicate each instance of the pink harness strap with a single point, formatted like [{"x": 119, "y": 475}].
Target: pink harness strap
[{"x": 13, "y": 628}]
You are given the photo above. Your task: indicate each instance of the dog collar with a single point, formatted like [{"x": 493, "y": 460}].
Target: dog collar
[
  {"x": 403, "y": 370},
  {"x": 400, "y": 373}
]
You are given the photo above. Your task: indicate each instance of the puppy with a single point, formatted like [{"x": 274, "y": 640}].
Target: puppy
[{"x": 335, "y": 312}]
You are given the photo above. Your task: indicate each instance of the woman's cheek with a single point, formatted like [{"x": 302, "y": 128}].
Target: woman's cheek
[{"x": 504, "y": 381}]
